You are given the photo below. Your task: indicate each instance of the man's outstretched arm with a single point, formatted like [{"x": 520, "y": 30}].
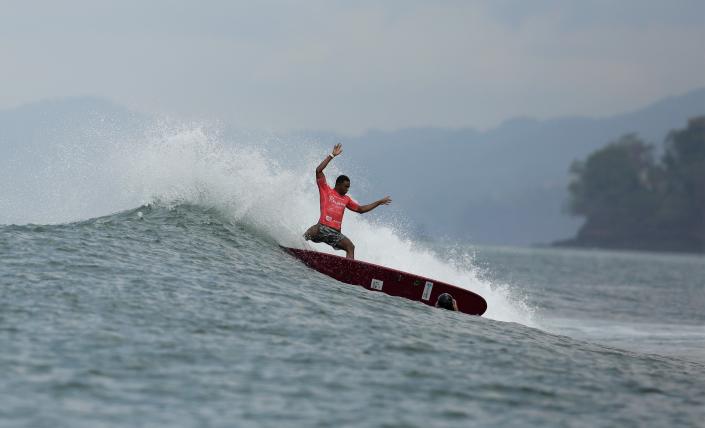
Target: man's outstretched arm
[
  {"x": 369, "y": 207},
  {"x": 337, "y": 149}
]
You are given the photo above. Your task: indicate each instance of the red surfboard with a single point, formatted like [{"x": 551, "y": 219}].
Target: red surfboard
[{"x": 390, "y": 281}]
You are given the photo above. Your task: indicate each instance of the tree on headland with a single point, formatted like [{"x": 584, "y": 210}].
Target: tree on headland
[
  {"x": 683, "y": 207},
  {"x": 631, "y": 201}
]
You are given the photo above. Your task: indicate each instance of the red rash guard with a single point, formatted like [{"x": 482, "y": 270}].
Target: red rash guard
[{"x": 333, "y": 205}]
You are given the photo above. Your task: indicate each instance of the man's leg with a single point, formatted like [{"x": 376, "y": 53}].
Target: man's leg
[
  {"x": 311, "y": 233},
  {"x": 347, "y": 245}
]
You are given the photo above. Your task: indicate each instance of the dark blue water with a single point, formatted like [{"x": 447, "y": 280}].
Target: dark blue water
[{"x": 187, "y": 315}]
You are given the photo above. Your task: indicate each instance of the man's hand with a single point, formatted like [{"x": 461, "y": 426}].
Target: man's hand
[
  {"x": 337, "y": 149},
  {"x": 385, "y": 201}
]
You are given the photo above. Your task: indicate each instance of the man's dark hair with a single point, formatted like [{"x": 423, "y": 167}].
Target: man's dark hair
[
  {"x": 341, "y": 178},
  {"x": 445, "y": 301}
]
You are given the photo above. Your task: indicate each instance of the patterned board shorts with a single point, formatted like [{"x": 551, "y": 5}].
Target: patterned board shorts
[{"x": 327, "y": 235}]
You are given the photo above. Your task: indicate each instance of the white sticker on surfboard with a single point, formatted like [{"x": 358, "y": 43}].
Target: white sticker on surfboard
[
  {"x": 376, "y": 284},
  {"x": 427, "y": 290}
]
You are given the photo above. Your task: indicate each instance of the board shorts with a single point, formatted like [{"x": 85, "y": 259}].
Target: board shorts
[{"x": 327, "y": 235}]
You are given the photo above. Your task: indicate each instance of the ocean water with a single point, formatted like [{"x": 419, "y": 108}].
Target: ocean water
[{"x": 143, "y": 285}]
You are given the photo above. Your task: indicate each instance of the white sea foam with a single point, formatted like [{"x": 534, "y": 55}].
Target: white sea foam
[{"x": 247, "y": 185}]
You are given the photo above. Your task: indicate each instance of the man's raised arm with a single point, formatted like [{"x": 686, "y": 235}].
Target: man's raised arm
[{"x": 337, "y": 149}]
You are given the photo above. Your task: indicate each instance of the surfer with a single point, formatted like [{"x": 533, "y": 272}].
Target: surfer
[{"x": 333, "y": 203}]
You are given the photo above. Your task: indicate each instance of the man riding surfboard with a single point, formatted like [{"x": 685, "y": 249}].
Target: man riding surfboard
[{"x": 333, "y": 203}]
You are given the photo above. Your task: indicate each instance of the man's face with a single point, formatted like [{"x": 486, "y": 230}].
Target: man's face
[{"x": 343, "y": 187}]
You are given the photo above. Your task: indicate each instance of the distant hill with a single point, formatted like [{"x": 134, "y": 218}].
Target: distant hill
[
  {"x": 506, "y": 185},
  {"x": 48, "y": 149},
  {"x": 62, "y": 115}
]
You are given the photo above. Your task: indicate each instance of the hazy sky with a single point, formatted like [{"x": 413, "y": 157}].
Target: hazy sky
[{"x": 352, "y": 65}]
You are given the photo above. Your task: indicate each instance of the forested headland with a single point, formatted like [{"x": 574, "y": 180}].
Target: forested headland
[{"x": 634, "y": 195}]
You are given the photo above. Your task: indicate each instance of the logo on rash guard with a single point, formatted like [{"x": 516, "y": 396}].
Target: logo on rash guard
[{"x": 336, "y": 201}]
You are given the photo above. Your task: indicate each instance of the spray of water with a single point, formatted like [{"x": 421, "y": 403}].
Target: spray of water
[{"x": 249, "y": 185}]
